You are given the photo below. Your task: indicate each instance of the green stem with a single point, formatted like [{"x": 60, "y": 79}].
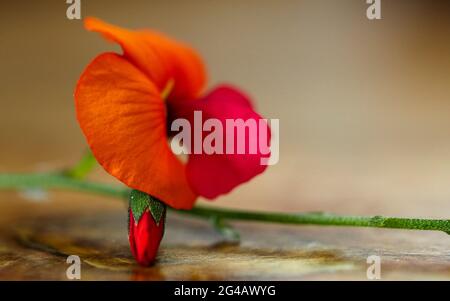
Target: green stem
[
  {"x": 224, "y": 229},
  {"x": 83, "y": 167},
  {"x": 60, "y": 181}
]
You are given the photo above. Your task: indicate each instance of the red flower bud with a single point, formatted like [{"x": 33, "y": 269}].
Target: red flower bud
[{"x": 145, "y": 237}]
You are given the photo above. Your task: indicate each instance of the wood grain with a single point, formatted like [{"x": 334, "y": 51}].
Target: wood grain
[{"x": 36, "y": 239}]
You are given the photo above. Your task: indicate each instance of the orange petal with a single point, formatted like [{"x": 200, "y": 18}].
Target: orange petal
[
  {"x": 160, "y": 57},
  {"x": 123, "y": 118}
]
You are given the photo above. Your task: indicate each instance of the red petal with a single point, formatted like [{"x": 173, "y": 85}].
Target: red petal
[
  {"x": 216, "y": 174},
  {"x": 145, "y": 239},
  {"x": 131, "y": 234}
]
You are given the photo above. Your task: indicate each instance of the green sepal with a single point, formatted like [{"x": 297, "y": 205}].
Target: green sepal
[
  {"x": 157, "y": 209},
  {"x": 140, "y": 202}
]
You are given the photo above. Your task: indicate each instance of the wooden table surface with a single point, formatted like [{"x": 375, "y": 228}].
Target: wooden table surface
[{"x": 36, "y": 239}]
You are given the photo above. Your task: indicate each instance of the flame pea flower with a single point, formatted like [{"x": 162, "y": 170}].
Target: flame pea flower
[{"x": 124, "y": 104}]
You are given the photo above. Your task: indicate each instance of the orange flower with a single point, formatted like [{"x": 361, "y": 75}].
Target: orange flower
[
  {"x": 159, "y": 57},
  {"x": 130, "y": 141},
  {"x": 124, "y": 117}
]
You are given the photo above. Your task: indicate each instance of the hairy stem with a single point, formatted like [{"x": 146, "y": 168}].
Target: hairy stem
[{"x": 61, "y": 181}]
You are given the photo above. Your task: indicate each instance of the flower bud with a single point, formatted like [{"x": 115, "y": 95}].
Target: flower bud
[{"x": 146, "y": 227}]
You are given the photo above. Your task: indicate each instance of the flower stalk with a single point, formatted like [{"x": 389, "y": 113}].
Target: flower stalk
[{"x": 62, "y": 181}]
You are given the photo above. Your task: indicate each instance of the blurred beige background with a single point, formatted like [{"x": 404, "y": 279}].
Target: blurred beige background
[{"x": 363, "y": 105}]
